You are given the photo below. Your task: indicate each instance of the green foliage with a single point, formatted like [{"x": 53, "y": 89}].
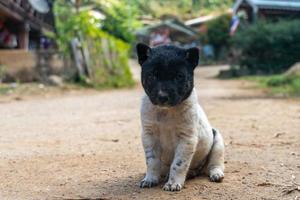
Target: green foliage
[
  {"x": 276, "y": 81},
  {"x": 269, "y": 47},
  {"x": 183, "y": 9},
  {"x": 4, "y": 89},
  {"x": 212, "y": 5},
  {"x": 279, "y": 84},
  {"x": 66, "y": 25},
  {"x": 121, "y": 21},
  {"x": 218, "y": 33},
  {"x": 108, "y": 55},
  {"x": 2, "y": 72}
]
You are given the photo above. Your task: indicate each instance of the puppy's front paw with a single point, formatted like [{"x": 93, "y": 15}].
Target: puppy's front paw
[
  {"x": 216, "y": 175},
  {"x": 172, "y": 187},
  {"x": 148, "y": 183}
]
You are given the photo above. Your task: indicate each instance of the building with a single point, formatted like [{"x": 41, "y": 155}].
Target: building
[
  {"x": 24, "y": 22},
  {"x": 267, "y": 9},
  {"x": 26, "y": 54},
  {"x": 172, "y": 30},
  {"x": 200, "y": 23}
]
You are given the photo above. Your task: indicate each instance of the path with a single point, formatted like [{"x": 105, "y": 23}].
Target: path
[{"x": 87, "y": 145}]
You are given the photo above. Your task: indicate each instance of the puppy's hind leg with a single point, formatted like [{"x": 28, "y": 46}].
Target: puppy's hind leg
[{"x": 215, "y": 164}]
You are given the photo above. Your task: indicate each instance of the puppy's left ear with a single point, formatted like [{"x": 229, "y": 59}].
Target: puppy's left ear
[
  {"x": 143, "y": 52},
  {"x": 192, "y": 55}
]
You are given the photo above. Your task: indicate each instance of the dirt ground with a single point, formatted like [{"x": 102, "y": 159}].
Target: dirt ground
[{"x": 86, "y": 145}]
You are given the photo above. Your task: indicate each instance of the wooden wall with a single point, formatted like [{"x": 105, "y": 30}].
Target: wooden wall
[{"x": 26, "y": 66}]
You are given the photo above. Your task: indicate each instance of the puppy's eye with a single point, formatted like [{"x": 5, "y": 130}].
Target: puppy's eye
[
  {"x": 151, "y": 77},
  {"x": 179, "y": 77}
]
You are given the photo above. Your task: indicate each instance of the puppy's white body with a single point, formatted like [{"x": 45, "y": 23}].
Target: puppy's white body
[{"x": 179, "y": 141}]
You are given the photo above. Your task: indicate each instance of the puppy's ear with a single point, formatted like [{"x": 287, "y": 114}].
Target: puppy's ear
[
  {"x": 143, "y": 52},
  {"x": 192, "y": 55}
]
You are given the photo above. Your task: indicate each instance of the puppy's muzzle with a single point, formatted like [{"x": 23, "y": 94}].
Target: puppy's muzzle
[{"x": 162, "y": 98}]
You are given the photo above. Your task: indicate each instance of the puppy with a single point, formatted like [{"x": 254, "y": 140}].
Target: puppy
[{"x": 178, "y": 140}]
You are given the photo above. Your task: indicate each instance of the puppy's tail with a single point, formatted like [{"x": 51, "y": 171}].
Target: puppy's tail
[{"x": 215, "y": 132}]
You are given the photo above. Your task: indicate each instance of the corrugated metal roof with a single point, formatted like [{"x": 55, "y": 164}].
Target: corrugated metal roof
[
  {"x": 270, "y": 4},
  {"x": 200, "y": 20},
  {"x": 204, "y": 19},
  {"x": 174, "y": 24},
  {"x": 278, "y": 4}
]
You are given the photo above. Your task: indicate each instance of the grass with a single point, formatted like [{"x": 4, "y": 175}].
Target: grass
[
  {"x": 28, "y": 89},
  {"x": 12, "y": 90},
  {"x": 279, "y": 84},
  {"x": 4, "y": 89}
]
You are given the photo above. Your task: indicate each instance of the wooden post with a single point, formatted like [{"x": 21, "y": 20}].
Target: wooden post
[
  {"x": 24, "y": 36},
  {"x": 77, "y": 5}
]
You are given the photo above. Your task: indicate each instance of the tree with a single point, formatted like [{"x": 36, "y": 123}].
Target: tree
[
  {"x": 121, "y": 20},
  {"x": 183, "y": 9},
  {"x": 108, "y": 55}
]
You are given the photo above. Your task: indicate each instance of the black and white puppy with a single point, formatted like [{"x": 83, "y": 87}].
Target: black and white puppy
[{"x": 178, "y": 140}]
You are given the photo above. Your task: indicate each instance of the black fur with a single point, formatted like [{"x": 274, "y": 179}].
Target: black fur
[
  {"x": 167, "y": 73},
  {"x": 178, "y": 163},
  {"x": 214, "y": 132}
]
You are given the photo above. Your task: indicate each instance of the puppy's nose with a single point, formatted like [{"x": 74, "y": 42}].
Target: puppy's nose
[{"x": 163, "y": 97}]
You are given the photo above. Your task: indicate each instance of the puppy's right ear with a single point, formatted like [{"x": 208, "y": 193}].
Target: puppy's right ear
[{"x": 143, "y": 52}]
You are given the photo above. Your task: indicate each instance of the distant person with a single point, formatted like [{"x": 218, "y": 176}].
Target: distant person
[
  {"x": 45, "y": 43},
  {"x": 235, "y": 21},
  {"x": 160, "y": 37},
  {"x": 7, "y": 39},
  {"x": 240, "y": 20},
  {"x": 208, "y": 51}
]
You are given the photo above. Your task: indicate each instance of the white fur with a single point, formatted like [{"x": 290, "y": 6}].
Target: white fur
[{"x": 178, "y": 141}]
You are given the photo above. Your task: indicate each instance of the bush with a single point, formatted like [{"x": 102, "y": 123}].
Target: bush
[
  {"x": 278, "y": 84},
  {"x": 2, "y": 72},
  {"x": 218, "y": 33},
  {"x": 121, "y": 21},
  {"x": 108, "y": 54},
  {"x": 268, "y": 47}
]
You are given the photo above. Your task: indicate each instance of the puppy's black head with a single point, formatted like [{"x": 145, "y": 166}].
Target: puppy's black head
[{"x": 167, "y": 73}]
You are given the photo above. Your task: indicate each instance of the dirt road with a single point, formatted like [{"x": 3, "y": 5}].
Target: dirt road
[{"x": 87, "y": 145}]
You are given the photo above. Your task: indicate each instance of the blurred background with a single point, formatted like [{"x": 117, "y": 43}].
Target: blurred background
[
  {"x": 70, "y": 94},
  {"x": 91, "y": 41}
]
